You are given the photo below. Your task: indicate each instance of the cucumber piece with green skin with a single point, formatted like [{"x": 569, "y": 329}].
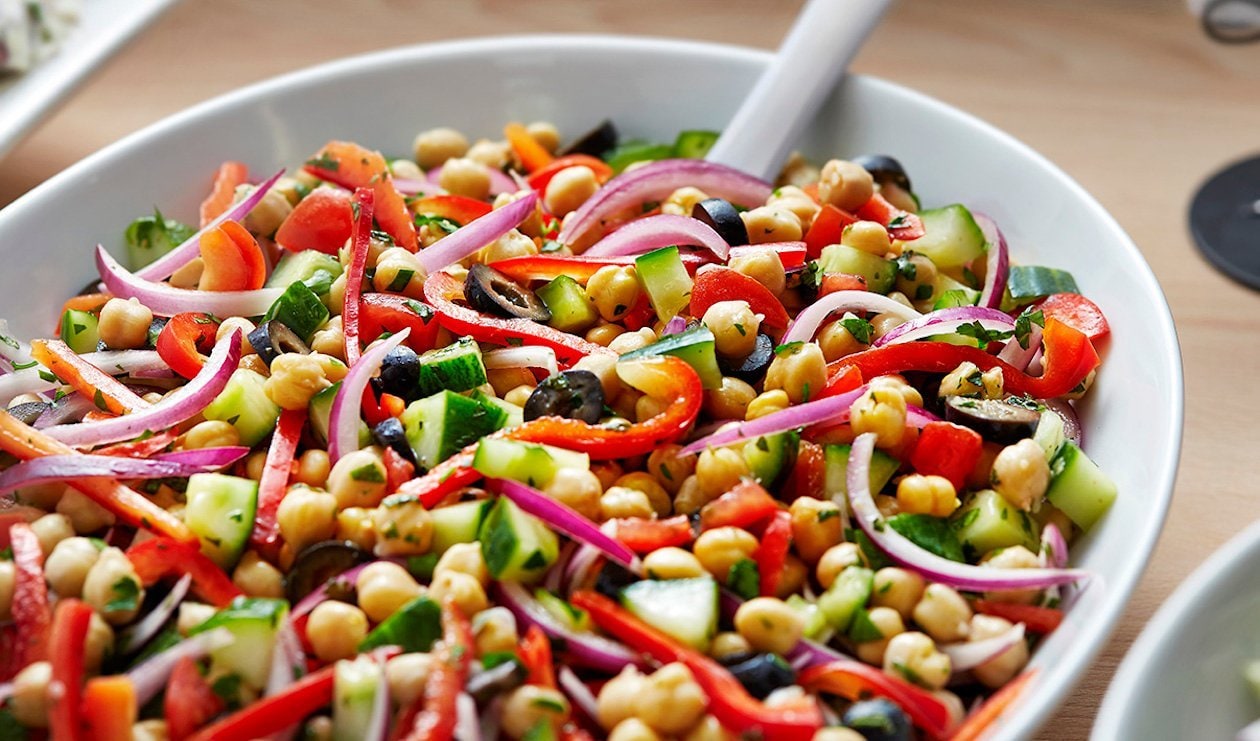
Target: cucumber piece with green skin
[
  {"x": 245, "y": 405},
  {"x": 80, "y": 330},
  {"x": 220, "y": 511},
  {"x": 666, "y": 281},
  {"x": 816, "y": 627},
  {"x": 836, "y": 471},
  {"x": 1028, "y": 283},
  {"x": 299, "y": 309},
  {"x": 987, "y": 522},
  {"x": 572, "y": 310},
  {"x": 847, "y": 594},
  {"x": 304, "y": 267},
  {"x": 414, "y": 627},
  {"x": 457, "y": 523},
  {"x": 951, "y": 236},
  {"x": 932, "y": 534},
  {"x": 948, "y": 293},
  {"x": 513, "y": 414},
  {"x": 516, "y": 546},
  {"x": 695, "y": 143},
  {"x": 528, "y": 463},
  {"x": 695, "y": 346},
  {"x": 880, "y": 274},
  {"x": 630, "y": 152},
  {"x": 355, "y": 684},
  {"x": 253, "y": 622},
  {"x": 150, "y": 237},
  {"x": 456, "y": 367},
  {"x": 686, "y": 609},
  {"x": 440, "y": 425},
  {"x": 769, "y": 458},
  {"x": 862, "y": 629},
  {"x": 1079, "y": 488},
  {"x": 1050, "y": 434},
  {"x": 561, "y": 610}
]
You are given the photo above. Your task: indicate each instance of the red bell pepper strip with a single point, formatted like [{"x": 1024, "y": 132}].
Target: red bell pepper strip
[
  {"x": 275, "y": 479},
  {"x": 361, "y": 238},
  {"x": 745, "y": 504},
  {"x": 109, "y": 708},
  {"x": 527, "y": 149},
  {"x": 1077, "y": 312},
  {"x": 642, "y": 535},
  {"x": 185, "y": 340},
  {"x": 398, "y": 470},
  {"x": 949, "y": 450},
  {"x": 140, "y": 448},
  {"x": 1039, "y": 620},
  {"x": 535, "y": 655},
  {"x": 808, "y": 473},
  {"x": 718, "y": 283},
  {"x": 25, "y": 442},
  {"x": 351, "y": 166},
  {"x": 853, "y": 680},
  {"x": 31, "y": 610},
  {"x": 389, "y": 312},
  {"x": 578, "y": 267},
  {"x": 432, "y": 716},
  {"x": 771, "y": 554},
  {"x": 829, "y": 224},
  {"x": 158, "y": 558},
  {"x": 442, "y": 291},
  {"x": 901, "y": 225},
  {"x": 539, "y": 179},
  {"x": 842, "y": 380},
  {"x": 1069, "y": 357},
  {"x": 190, "y": 702},
  {"x": 978, "y": 724},
  {"x": 223, "y": 191},
  {"x": 108, "y": 393},
  {"x": 441, "y": 481},
  {"x": 66, "y": 652},
  {"x": 233, "y": 260},
  {"x": 729, "y": 702},
  {"x": 275, "y": 712},
  {"x": 321, "y": 221},
  {"x": 459, "y": 209}
]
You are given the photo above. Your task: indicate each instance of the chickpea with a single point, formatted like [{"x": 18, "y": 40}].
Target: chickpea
[
  {"x": 98, "y": 643},
  {"x": 295, "y": 379},
  {"x": 546, "y": 134},
  {"x": 512, "y": 244},
  {"x": 8, "y": 581},
  {"x": 306, "y": 516},
  {"x": 763, "y": 266},
  {"x": 615, "y": 290},
  {"x": 406, "y": 675},
  {"x": 793, "y": 578},
  {"x": 50, "y": 530},
  {"x": 607, "y": 472},
  {"x": 647, "y": 407},
  {"x": 124, "y": 324},
  {"x": 603, "y": 333},
  {"x": 867, "y": 236},
  {"x": 682, "y": 201},
  {"x": 943, "y": 613},
  {"x": 669, "y": 468},
  {"x": 908, "y": 392},
  {"x": 463, "y": 588},
  {"x": 616, "y": 700},
  {"x": 188, "y": 276},
  {"x": 581, "y": 490},
  {"x": 399, "y": 271},
  {"x": 149, "y": 730},
  {"x": 889, "y": 623},
  {"x": 266, "y": 217},
  {"x": 767, "y": 402},
  {"x": 718, "y": 470},
  {"x": 192, "y": 614},
  {"x": 569, "y": 189},
  {"x": 335, "y": 630},
  {"x": 927, "y": 495},
  {"x": 403, "y": 528},
  {"x": 519, "y": 395},
  {"x": 772, "y": 224},
  {"x": 917, "y": 276},
  {"x": 1014, "y": 557},
  {"x": 330, "y": 339},
  {"x": 465, "y": 177},
  {"x": 769, "y": 624},
  {"x": 30, "y": 702},
  {"x": 836, "y": 341},
  {"x": 729, "y": 643},
  {"x": 734, "y": 327},
  {"x": 721, "y": 548},
  {"x": 913, "y": 657},
  {"x": 358, "y": 479},
  {"x": 212, "y": 433},
  {"x": 112, "y": 587},
  {"x": 836, "y": 559},
  {"x": 465, "y": 558},
  {"x": 797, "y": 201},
  {"x": 436, "y": 146},
  {"x": 619, "y": 502},
  {"x": 798, "y": 171},
  {"x": 845, "y": 184},
  {"x": 965, "y": 380},
  {"x": 816, "y": 527},
  {"x": 897, "y": 588},
  {"x": 85, "y": 515},
  {"x": 633, "y": 729},
  {"x": 383, "y": 587},
  {"x": 255, "y": 464},
  {"x": 730, "y": 400},
  {"x": 530, "y": 705},
  {"x": 494, "y": 630},
  {"x": 691, "y": 496},
  {"x": 496, "y": 154},
  {"x": 799, "y": 371},
  {"x": 882, "y": 324},
  {"x": 670, "y": 700},
  {"x": 1002, "y": 668},
  {"x": 313, "y": 468},
  {"x": 257, "y": 578},
  {"x": 880, "y": 410},
  {"x": 837, "y": 733},
  {"x": 1021, "y": 474},
  {"x": 630, "y": 341},
  {"x": 672, "y": 563}
]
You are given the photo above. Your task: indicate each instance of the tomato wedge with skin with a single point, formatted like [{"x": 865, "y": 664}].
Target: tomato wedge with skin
[
  {"x": 184, "y": 339},
  {"x": 352, "y": 166},
  {"x": 388, "y": 312},
  {"x": 1077, "y": 312},
  {"x": 717, "y": 283},
  {"x": 190, "y": 702},
  {"x": 321, "y": 221},
  {"x": 233, "y": 260}
]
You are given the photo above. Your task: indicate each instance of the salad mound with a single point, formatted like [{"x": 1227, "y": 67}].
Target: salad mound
[{"x": 509, "y": 440}]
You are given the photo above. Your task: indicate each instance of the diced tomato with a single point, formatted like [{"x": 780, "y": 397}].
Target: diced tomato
[
  {"x": 843, "y": 380},
  {"x": 389, "y": 312},
  {"x": 535, "y": 654},
  {"x": 644, "y": 536},
  {"x": 949, "y": 450},
  {"x": 233, "y": 260},
  {"x": 746, "y": 504},
  {"x": 717, "y": 283},
  {"x": 1039, "y": 620},
  {"x": 459, "y": 209},
  {"x": 183, "y": 340},
  {"x": 190, "y": 702},
  {"x": 828, "y": 225},
  {"x": 1077, "y": 312},
  {"x": 832, "y": 282},
  {"x": 771, "y": 554},
  {"x": 901, "y": 225},
  {"x": 538, "y": 181},
  {"x": 351, "y": 166},
  {"x": 398, "y": 470},
  {"x": 223, "y": 192},
  {"x": 321, "y": 221},
  {"x": 808, "y": 472}
]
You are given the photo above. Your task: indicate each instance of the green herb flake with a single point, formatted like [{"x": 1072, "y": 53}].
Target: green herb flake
[
  {"x": 744, "y": 579},
  {"x": 126, "y": 595},
  {"x": 1024, "y": 322},
  {"x": 790, "y": 348},
  {"x": 368, "y": 473},
  {"x": 99, "y": 400},
  {"x": 982, "y": 334},
  {"x": 861, "y": 329},
  {"x": 324, "y": 162}
]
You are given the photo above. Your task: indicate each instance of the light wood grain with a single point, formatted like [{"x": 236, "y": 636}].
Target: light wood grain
[{"x": 1126, "y": 96}]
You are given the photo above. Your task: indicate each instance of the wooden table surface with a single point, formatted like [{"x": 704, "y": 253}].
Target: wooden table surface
[{"x": 1127, "y": 96}]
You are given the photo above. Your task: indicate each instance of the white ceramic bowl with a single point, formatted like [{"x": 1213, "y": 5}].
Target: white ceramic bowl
[
  {"x": 1183, "y": 676},
  {"x": 1134, "y": 414}
]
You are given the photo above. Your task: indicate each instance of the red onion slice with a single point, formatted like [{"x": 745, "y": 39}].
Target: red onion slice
[
  {"x": 476, "y": 234},
  {"x": 343, "y": 419},
  {"x": 1072, "y": 428},
  {"x": 149, "y": 677},
  {"x": 467, "y": 721},
  {"x": 1054, "y": 548},
  {"x": 1018, "y": 355},
  {"x": 417, "y": 188},
  {"x": 185, "y": 402},
  {"x": 654, "y": 182},
  {"x": 662, "y": 230},
  {"x": 789, "y": 253},
  {"x": 581, "y": 566},
  {"x": 72, "y": 407},
  {"x": 526, "y": 356},
  {"x": 287, "y": 659},
  {"x": 13, "y": 349},
  {"x": 142, "y": 632},
  {"x": 807, "y": 323},
  {"x": 177, "y": 258},
  {"x": 579, "y": 694},
  {"x": 945, "y": 321},
  {"x": 964, "y": 656},
  {"x": 998, "y": 266},
  {"x": 564, "y": 519},
  {"x": 931, "y": 566},
  {"x": 587, "y": 649},
  {"x": 802, "y": 415},
  {"x": 69, "y": 467},
  {"x": 674, "y": 326},
  {"x": 166, "y": 300}
]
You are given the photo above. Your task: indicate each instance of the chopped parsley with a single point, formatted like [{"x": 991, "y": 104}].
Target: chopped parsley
[{"x": 126, "y": 595}]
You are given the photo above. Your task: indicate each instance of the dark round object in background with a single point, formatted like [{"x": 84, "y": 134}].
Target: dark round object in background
[
  {"x": 884, "y": 169},
  {"x": 391, "y": 434},
  {"x": 1225, "y": 221},
  {"x": 595, "y": 142},
  {"x": 752, "y": 368}
]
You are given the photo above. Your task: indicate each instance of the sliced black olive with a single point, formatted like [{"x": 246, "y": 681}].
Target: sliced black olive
[
  {"x": 995, "y": 420},
  {"x": 390, "y": 434},
  {"x": 752, "y": 368},
  {"x": 28, "y": 411},
  {"x": 400, "y": 373},
  {"x": 486, "y": 685},
  {"x": 723, "y": 217},
  {"x": 878, "y": 720},
  {"x": 272, "y": 339},
  {"x": 884, "y": 169},
  {"x": 573, "y": 394},
  {"x": 612, "y": 579},
  {"x": 594, "y": 142},
  {"x": 761, "y": 674},
  {"x": 488, "y": 290},
  {"x": 320, "y": 562},
  {"x": 155, "y": 328}
]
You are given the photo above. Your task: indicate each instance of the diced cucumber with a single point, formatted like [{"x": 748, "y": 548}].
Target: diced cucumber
[
  {"x": 562, "y": 611},
  {"x": 686, "y": 609},
  {"x": 456, "y": 367},
  {"x": 438, "y": 426},
  {"x": 79, "y": 330},
  {"x": 150, "y": 237},
  {"x": 948, "y": 293},
  {"x": 355, "y": 684},
  {"x": 987, "y": 522},
  {"x": 835, "y": 479},
  {"x": 304, "y": 267},
  {"x": 457, "y": 523},
  {"x": 630, "y": 152},
  {"x": 244, "y": 405},
  {"x": 695, "y": 346},
  {"x": 847, "y": 594},
  {"x": 880, "y": 274},
  {"x": 516, "y": 546},
  {"x": 932, "y": 534},
  {"x": 694, "y": 143},
  {"x": 319, "y": 411},
  {"x": 299, "y": 309},
  {"x": 253, "y": 622},
  {"x": 1050, "y": 434},
  {"x": 513, "y": 415},
  {"x": 769, "y": 458},
  {"x": 414, "y": 627},
  {"x": 812, "y": 617},
  {"x": 1031, "y": 282},
  {"x": 862, "y": 629},
  {"x": 220, "y": 511},
  {"x": 529, "y": 463},
  {"x": 952, "y": 238},
  {"x": 665, "y": 279},
  {"x": 572, "y": 310},
  {"x": 954, "y": 298},
  {"x": 1078, "y": 487}
]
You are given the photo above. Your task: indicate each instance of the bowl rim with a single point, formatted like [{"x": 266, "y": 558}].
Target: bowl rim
[{"x": 1055, "y": 680}]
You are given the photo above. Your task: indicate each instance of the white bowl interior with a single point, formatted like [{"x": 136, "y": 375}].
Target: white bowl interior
[{"x": 651, "y": 89}]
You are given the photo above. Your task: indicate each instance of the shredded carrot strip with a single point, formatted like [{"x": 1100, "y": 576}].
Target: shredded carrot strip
[
  {"x": 109, "y": 395},
  {"x": 229, "y": 175},
  {"x": 531, "y": 154}
]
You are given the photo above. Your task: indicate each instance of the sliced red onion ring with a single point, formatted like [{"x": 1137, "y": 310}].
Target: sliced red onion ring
[
  {"x": 142, "y": 632},
  {"x": 674, "y": 326},
  {"x": 965, "y": 656},
  {"x": 69, "y": 467},
  {"x": 476, "y": 234},
  {"x": 1054, "y": 548},
  {"x": 13, "y": 349},
  {"x": 1018, "y": 355},
  {"x": 186, "y": 401},
  {"x": 1072, "y": 428},
  {"x": 998, "y": 262},
  {"x": 662, "y": 230},
  {"x": 564, "y": 519},
  {"x": 931, "y": 566},
  {"x": 499, "y": 181},
  {"x": 587, "y": 649},
  {"x": 807, "y": 323},
  {"x": 581, "y": 566},
  {"x": 166, "y": 300},
  {"x": 216, "y": 457},
  {"x": 467, "y": 721},
  {"x": 415, "y": 187},
  {"x": 807, "y": 653},
  {"x": 554, "y": 581},
  {"x": 654, "y": 182},
  {"x": 579, "y": 694},
  {"x": 343, "y": 419},
  {"x": 149, "y": 677},
  {"x": 525, "y": 356},
  {"x": 161, "y": 268},
  {"x": 802, "y": 415},
  {"x": 25, "y": 381},
  {"x": 945, "y": 321}
]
